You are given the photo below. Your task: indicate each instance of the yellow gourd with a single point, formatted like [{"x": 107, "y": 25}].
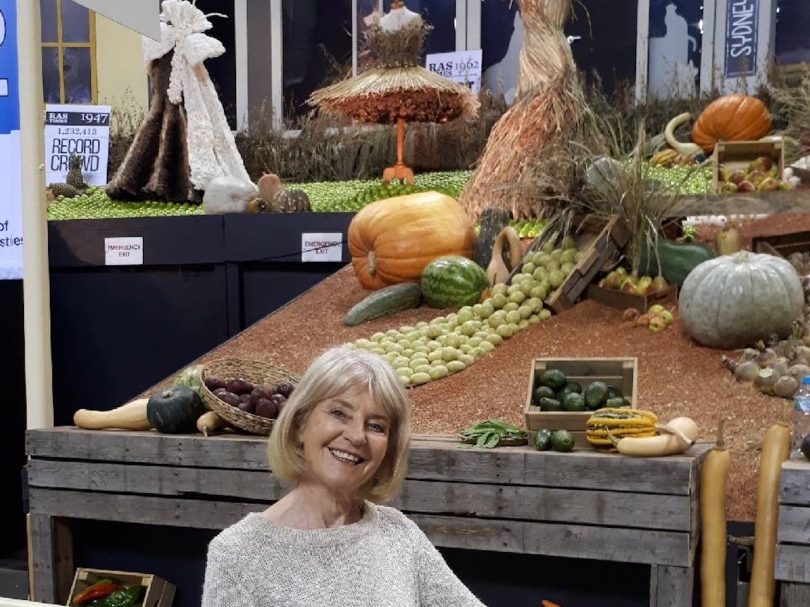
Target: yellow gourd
[
  {"x": 675, "y": 437},
  {"x": 713, "y": 478},
  {"x": 131, "y": 416},
  {"x": 775, "y": 450}
]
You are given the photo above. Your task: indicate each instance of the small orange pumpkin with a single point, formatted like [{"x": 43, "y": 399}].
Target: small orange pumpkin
[
  {"x": 391, "y": 241},
  {"x": 732, "y": 117}
]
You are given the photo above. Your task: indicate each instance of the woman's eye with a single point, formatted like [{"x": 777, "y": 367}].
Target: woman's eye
[
  {"x": 338, "y": 413},
  {"x": 375, "y": 427}
]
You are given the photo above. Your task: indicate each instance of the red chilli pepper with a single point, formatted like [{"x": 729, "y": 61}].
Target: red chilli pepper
[{"x": 99, "y": 590}]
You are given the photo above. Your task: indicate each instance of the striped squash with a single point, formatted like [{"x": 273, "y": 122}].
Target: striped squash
[
  {"x": 453, "y": 281},
  {"x": 608, "y": 424}
]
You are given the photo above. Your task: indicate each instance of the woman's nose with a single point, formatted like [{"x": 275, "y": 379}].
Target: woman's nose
[{"x": 355, "y": 432}]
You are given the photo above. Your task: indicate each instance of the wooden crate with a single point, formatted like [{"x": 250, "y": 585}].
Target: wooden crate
[
  {"x": 621, "y": 372},
  {"x": 622, "y": 301},
  {"x": 600, "y": 240},
  {"x": 157, "y": 593},
  {"x": 737, "y": 154},
  {"x": 793, "y": 535},
  {"x": 782, "y": 245}
]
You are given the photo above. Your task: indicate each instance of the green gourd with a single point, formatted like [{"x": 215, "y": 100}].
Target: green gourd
[{"x": 677, "y": 260}]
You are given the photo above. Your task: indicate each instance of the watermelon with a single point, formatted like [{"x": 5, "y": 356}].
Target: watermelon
[{"x": 453, "y": 281}]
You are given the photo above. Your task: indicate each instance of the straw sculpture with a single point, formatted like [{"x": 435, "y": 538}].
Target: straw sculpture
[
  {"x": 519, "y": 167},
  {"x": 398, "y": 89}
]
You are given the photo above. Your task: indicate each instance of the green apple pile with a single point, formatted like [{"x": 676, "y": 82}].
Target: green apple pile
[
  {"x": 620, "y": 280},
  {"x": 761, "y": 175}
]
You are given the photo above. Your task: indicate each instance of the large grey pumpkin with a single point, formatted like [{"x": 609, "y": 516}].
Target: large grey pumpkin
[{"x": 732, "y": 301}]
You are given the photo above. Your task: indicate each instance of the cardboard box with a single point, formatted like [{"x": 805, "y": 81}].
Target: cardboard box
[
  {"x": 735, "y": 155},
  {"x": 157, "y": 591},
  {"x": 621, "y": 372}
]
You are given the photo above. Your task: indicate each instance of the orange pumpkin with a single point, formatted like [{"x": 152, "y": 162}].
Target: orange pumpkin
[
  {"x": 391, "y": 241},
  {"x": 733, "y": 117}
]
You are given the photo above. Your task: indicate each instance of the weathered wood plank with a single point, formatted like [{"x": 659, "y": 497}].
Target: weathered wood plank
[
  {"x": 671, "y": 586},
  {"x": 570, "y": 541},
  {"x": 575, "y": 541},
  {"x": 794, "y": 485},
  {"x": 428, "y": 460},
  {"x": 794, "y": 526},
  {"x": 794, "y": 595},
  {"x": 42, "y": 546},
  {"x": 793, "y": 563},
  {"x": 579, "y": 506},
  {"x": 63, "y": 559}
]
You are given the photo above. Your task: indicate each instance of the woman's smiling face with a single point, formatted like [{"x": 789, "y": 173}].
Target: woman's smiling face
[{"x": 345, "y": 439}]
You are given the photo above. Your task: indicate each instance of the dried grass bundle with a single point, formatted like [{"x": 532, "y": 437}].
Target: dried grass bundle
[
  {"x": 616, "y": 183},
  {"x": 517, "y": 169},
  {"x": 795, "y": 107}
]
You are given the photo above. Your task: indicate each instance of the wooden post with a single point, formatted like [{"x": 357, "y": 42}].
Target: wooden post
[
  {"x": 671, "y": 586},
  {"x": 36, "y": 289},
  {"x": 399, "y": 170}
]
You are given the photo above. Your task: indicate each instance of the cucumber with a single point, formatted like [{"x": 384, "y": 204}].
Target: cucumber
[{"x": 387, "y": 300}]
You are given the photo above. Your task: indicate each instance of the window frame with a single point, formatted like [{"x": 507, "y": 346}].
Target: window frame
[{"x": 60, "y": 45}]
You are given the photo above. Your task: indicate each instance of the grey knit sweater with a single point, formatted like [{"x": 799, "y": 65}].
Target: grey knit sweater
[{"x": 383, "y": 560}]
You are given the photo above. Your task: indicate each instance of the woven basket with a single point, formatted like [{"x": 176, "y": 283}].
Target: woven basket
[{"x": 253, "y": 371}]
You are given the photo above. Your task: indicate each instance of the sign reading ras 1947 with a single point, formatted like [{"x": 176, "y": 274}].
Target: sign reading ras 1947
[{"x": 77, "y": 130}]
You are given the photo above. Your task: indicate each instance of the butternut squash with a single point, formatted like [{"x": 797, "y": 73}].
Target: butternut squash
[
  {"x": 210, "y": 422},
  {"x": 676, "y": 437},
  {"x": 131, "y": 416},
  {"x": 775, "y": 450},
  {"x": 713, "y": 478}
]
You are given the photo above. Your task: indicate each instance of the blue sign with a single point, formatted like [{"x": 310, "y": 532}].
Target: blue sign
[
  {"x": 9, "y": 97},
  {"x": 742, "y": 28}
]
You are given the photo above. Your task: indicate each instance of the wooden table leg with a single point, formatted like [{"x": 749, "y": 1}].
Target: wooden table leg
[
  {"x": 51, "y": 545},
  {"x": 671, "y": 586},
  {"x": 794, "y": 595}
]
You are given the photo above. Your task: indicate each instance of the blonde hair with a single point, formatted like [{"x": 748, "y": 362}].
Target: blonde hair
[{"x": 331, "y": 374}]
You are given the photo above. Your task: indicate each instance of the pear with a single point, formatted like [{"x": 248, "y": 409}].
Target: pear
[
  {"x": 659, "y": 283},
  {"x": 656, "y": 310},
  {"x": 724, "y": 174},
  {"x": 613, "y": 280},
  {"x": 644, "y": 320},
  {"x": 757, "y": 177},
  {"x": 746, "y": 186},
  {"x": 667, "y": 316},
  {"x": 769, "y": 184},
  {"x": 727, "y": 188},
  {"x": 628, "y": 285},
  {"x": 737, "y": 177},
  {"x": 644, "y": 285},
  {"x": 657, "y": 324},
  {"x": 763, "y": 163}
]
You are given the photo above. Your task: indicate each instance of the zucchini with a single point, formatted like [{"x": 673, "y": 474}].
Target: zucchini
[
  {"x": 387, "y": 300},
  {"x": 677, "y": 260}
]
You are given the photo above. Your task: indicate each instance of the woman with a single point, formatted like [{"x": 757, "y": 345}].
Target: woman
[{"x": 342, "y": 439}]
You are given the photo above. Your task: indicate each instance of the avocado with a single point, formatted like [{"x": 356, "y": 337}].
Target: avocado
[
  {"x": 549, "y": 404},
  {"x": 615, "y": 402},
  {"x": 553, "y": 378},
  {"x": 542, "y": 440},
  {"x": 596, "y": 395},
  {"x": 542, "y": 392},
  {"x": 568, "y": 388},
  {"x": 613, "y": 391},
  {"x": 562, "y": 440},
  {"x": 805, "y": 446},
  {"x": 573, "y": 402}
]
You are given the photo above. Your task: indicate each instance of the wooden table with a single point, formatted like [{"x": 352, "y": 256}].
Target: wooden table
[
  {"x": 577, "y": 505},
  {"x": 793, "y": 538}
]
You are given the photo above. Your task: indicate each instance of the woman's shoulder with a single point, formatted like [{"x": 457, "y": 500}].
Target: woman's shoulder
[
  {"x": 394, "y": 519},
  {"x": 236, "y": 540}
]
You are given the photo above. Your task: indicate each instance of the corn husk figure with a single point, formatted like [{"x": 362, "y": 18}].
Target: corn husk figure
[
  {"x": 523, "y": 167},
  {"x": 398, "y": 89}
]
